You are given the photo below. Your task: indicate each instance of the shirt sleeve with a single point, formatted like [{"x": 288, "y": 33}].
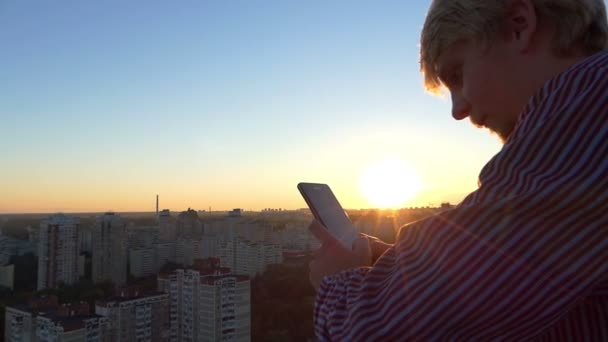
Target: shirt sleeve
[{"x": 517, "y": 255}]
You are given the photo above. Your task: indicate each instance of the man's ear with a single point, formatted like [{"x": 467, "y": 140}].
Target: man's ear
[{"x": 521, "y": 24}]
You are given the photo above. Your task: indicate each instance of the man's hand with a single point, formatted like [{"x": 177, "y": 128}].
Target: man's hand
[
  {"x": 377, "y": 246},
  {"x": 333, "y": 257}
]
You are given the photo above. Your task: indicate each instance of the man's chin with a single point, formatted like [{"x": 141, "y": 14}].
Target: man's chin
[{"x": 503, "y": 135}]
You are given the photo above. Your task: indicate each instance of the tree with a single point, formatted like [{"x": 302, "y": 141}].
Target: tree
[
  {"x": 26, "y": 275},
  {"x": 282, "y": 300}
]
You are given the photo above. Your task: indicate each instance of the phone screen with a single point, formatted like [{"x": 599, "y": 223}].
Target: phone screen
[{"x": 326, "y": 209}]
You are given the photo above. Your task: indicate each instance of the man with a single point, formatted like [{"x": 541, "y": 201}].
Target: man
[{"x": 526, "y": 255}]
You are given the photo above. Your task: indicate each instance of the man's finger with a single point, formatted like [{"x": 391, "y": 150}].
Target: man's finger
[
  {"x": 377, "y": 246},
  {"x": 363, "y": 251}
]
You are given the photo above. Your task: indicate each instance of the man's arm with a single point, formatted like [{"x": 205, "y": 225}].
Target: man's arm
[
  {"x": 514, "y": 258},
  {"x": 449, "y": 277}
]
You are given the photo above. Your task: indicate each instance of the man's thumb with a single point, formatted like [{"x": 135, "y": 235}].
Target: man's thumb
[{"x": 362, "y": 249}]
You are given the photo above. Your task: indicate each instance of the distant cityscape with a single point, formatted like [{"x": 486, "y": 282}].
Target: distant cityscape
[{"x": 160, "y": 276}]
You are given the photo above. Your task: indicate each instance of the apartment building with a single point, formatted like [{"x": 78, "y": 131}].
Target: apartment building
[
  {"x": 58, "y": 251},
  {"x": 109, "y": 249},
  {"x": 142, "y": 262},
  {"x": 208, "y": 305},
  {"x": 249, "y": 258},
  {"x": 44, "y": 320},
  {"x": 135, "y": 317}
]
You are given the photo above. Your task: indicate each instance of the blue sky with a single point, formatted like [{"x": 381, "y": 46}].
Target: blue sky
[{"x": 226, "y": 104}]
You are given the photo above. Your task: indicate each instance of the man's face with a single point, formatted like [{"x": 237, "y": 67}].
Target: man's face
[{"x": 483, "y": 85}]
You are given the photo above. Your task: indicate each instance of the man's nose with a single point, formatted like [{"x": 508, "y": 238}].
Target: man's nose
[{"x": 460, "y": 106}]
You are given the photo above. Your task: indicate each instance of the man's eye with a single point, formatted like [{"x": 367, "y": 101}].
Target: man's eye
[{"x": 453, "y": 78}]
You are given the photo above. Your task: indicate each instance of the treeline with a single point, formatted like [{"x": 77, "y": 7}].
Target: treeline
[
  {"x": 16, "y": 227},
  {"x": 281, "y": 303}
]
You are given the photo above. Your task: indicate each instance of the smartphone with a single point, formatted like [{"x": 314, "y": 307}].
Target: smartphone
[{"x": 326, "y": 209}]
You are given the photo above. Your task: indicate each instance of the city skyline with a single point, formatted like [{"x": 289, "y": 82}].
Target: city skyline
[
  {"x": 219, "y": 105},
  {"x": 221, "y": 211},
  {"x": 187, "y": 276}
]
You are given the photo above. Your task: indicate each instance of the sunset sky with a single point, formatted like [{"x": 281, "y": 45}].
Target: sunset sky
[{"x": 221, "y": 104}]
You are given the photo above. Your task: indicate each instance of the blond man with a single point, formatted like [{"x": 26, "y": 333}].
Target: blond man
[{"x": 525, "y": 257}]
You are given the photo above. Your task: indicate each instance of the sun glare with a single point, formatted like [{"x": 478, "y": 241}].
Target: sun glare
[{"x": 389, "y": 183}]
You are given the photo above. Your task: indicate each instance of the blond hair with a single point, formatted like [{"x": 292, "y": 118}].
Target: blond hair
[{"x": 581, "y": 26}]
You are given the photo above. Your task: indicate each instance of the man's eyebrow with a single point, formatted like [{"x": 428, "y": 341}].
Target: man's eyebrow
[{"x": 444, "y": 69}]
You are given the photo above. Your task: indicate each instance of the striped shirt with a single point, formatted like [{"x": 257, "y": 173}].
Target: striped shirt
[{"x": 525, "y": 257}]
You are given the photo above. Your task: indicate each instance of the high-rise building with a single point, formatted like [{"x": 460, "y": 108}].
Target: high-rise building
[
  {"x": 187, "y": 250},
  {"x": 227, "y": 254},
  {"x": 142, "y": 262},
  {"x": 109, "y": 249},
  {"x": 249, "y": 258},
  {"x": 208, "y": 305},
  {"x": 209, "y": 244},
  {"x": 69, "y": 323},
  {"x": 225, "y": 306},
  {"x": 141, "y": 236},
  {"x": 43, "y": 319},
  {"x": 7, "y": 276},
  {"x": 166, "y": 226},
  {"x": 237, "y": 212},
  {"x": 164, "y": 253},
  {"x": 10, "y": 247},
  {"x": 297, "y": 236},
  {"x": 135, "y": 317},
  {"x": 58, "y": 251},
  {"x": 188, "y": 224},
  {"x": 85, "y": 237},
  {"x": 33, "y": 236},
  {"x": 82, "y": 265},
  {"x": 19, "y": 324},
  {"x": 20, "y": 320}
]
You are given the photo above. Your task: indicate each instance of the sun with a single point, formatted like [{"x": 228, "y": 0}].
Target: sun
[{"x": 389, "y": 183}]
